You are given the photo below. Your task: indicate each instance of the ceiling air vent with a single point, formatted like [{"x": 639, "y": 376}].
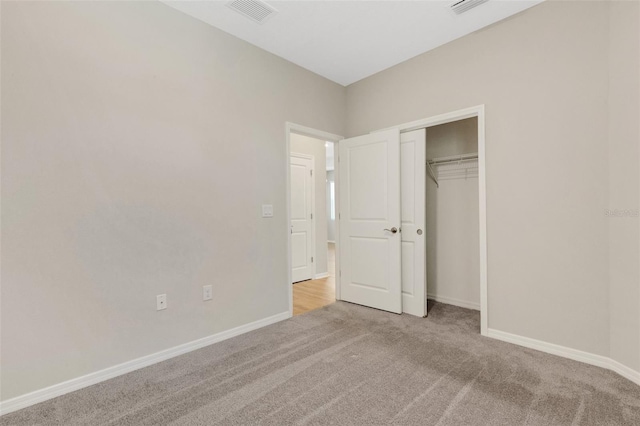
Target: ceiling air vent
[
  {"x": 255, "y": 10},
  {"x": 463, "y": 6}
]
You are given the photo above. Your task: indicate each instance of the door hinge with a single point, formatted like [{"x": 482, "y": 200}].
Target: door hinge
[
  {"x": 340, "y": 273},
  {"x": 311, "y": 215},
  {"x": 339, "y": 217},
  {"x": 312, "y": 260},
  {"x": 311, "y": 172}
]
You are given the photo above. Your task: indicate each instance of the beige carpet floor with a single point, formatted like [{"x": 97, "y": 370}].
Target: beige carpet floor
[{"x": 349, "y": 365}]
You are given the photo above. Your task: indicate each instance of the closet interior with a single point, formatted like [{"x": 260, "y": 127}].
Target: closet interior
[{"x": 452, "y": 216}]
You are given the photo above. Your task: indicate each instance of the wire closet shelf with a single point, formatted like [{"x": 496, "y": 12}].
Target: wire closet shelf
[{"x": 473, "y": 156}]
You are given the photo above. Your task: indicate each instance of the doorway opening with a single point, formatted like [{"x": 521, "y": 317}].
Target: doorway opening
[
  {"x": 463, "y": 160},
  {"x": 312, "y": 206},
  {"x": 383, "y": 261}
]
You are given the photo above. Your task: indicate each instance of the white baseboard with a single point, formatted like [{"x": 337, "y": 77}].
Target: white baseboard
[
  {"x": 455, "y": 302},
  {"x": 59, "y": 389},
  {"x": 321, "y": 275},
  {"x": 624, "y": 371},
  {"x": 565, "y": 352}
]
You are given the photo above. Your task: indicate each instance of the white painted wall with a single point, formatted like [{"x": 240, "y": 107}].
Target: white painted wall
[
  {"x": 311, "y": 146},
  {"x": 543, "y": 76},
  {"x": 138, "y": 145},
  {"x": 452, "y": 227}
]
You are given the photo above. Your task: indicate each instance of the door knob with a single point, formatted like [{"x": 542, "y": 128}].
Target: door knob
[
  {"x": 419, "y": 231},
  {"x": 392, "y": 230}
]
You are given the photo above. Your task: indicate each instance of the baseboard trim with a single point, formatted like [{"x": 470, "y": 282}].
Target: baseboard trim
[
  {"x": 322, "y": 275},
  {"x": 565, "y": 352},
  {"x": 454, "y": 302},
  {"x": 624, "y": 371},
  {"x": 59, "y": 389}
]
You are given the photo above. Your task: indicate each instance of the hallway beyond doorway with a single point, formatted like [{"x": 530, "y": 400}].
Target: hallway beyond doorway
[{"x": 313, "y": 294}]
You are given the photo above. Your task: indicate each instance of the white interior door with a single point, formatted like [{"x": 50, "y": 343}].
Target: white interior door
[
  {"x": 302, "y": 267},
  {"x": 413, "y": 194},
  {"x": 370, "y": 220}
]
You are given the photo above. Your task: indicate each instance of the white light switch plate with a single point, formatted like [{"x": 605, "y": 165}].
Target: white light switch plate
[
  {"x": 161, "y": 302},
  {"x": 267, "y": 210},
  {"x": 207, "y": 292}
]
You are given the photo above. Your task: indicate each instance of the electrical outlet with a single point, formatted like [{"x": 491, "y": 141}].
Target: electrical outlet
[
  {"x": 267, "y": 210},
  {"x": 161, "y": 302},
  {"x": 207, "y": 292}
]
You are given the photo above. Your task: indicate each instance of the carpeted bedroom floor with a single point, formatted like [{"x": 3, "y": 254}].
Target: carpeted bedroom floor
[{"x": 350, "y": 365}]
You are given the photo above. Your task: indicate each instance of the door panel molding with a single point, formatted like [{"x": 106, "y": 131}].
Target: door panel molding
[{"x": 370, "y": 207}]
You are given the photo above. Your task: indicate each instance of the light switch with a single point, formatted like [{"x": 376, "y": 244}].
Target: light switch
[
  {"x": 161, "y": 302},
  {"x": 267, "y": 210}
]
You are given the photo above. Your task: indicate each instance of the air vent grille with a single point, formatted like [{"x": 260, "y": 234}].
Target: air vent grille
[
  {"x": 463, "y": 6},
  {"x": 255, "y": 10}
]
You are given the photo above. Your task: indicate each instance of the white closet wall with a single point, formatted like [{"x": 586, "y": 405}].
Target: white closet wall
[{"x": 453, "y": 271}]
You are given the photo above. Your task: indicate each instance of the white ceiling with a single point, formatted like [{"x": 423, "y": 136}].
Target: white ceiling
[{"x": 346, "y": 41}]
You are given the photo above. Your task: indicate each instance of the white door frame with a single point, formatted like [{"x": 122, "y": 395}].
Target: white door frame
[
  {"x": 476, "y": 111},
  {"x": 313, "y": 207},
  {"x": 325, "y": 136}
]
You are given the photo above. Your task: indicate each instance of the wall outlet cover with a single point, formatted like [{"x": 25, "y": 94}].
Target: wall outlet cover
[
  {"x": 267, "y": 210},
  {"x": 207, "y": 292}
]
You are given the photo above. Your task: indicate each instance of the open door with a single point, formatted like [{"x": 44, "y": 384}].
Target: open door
[
  {"x": 413, "y": 194},
  {"x": 369, "y": 217}
]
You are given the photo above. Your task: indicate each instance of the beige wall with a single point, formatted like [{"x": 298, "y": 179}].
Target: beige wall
[
  {"x": 458, "y": 137},
  {"x": 138, "y": 145},
  {"x": 624, "y": 185},
  {"x": 543, "y": 77},
  {"x": 311, "y": 146}
]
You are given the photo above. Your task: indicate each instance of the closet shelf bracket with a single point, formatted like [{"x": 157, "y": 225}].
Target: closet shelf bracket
[{"x": 432, "y": 174}]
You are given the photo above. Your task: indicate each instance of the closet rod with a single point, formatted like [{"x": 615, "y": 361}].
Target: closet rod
[{"x": 453, "y": 158}]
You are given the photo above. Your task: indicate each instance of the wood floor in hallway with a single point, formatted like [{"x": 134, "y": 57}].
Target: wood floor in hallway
[{"x": 314, "y": 294}]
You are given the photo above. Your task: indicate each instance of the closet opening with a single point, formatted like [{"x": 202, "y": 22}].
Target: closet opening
[
  {"x": 444, "y": 212},
  {"x": 452, "y": 213}
]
